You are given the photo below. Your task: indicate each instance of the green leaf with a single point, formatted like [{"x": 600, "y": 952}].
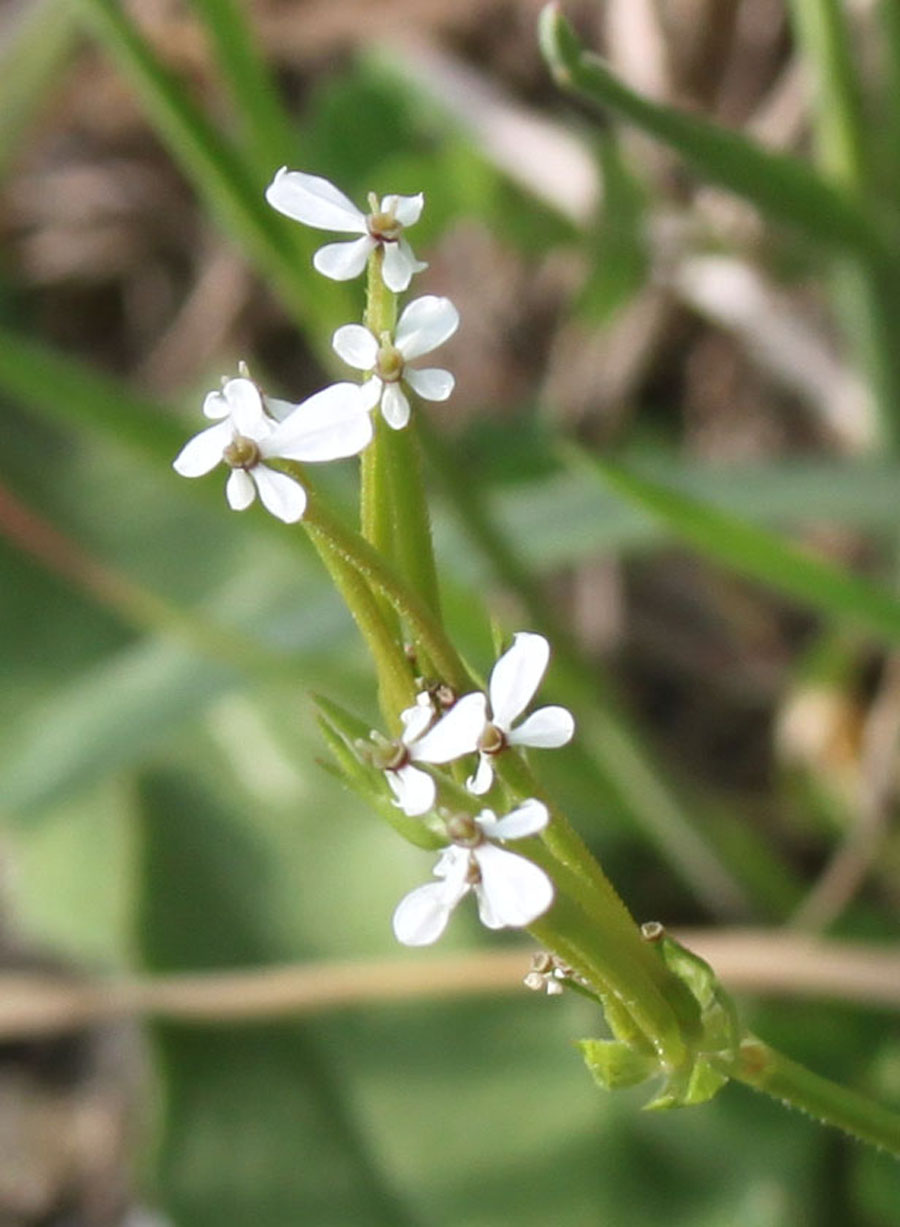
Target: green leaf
[
  {"x": 784, "y": 188},
  {"x": 33, "y": 57},
  {"x": 257, "y": 1129},
  {"x": 279, "y": 249},
  {"x": 615, "y": 1064},
  {"x": 754, "y": 552}
]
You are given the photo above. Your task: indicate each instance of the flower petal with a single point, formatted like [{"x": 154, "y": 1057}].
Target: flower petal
[
  {"x": 455, "y": 734},
  {"x": 406, "y": 209},
  {"x": 239, "y": 490},
  {"x": 415, "y": 790},
  {"x": 432, "y": 383},
  {"x": 544, "y": 729},
  {"x": 202, "y": 453},
  {"x": 399, "y": 265},
  {"x": 516, "y": 676},
  {"x": 415, "y": 720},
  {"x": 279, "y": 409},
  {"x": 526, "y": 819},
  {"x": 343, "y": 261},
  {"x": 314, "y": 201},
  {"x": 326, "y": 426},
  {"x": 421, "y": 917},
  {"x": 246, "y": 407},
  {"x": 216, "y": 406},
  {"x": 279, "y": 494},
  {"x": 481, "y": 781},
  {"x": 356, "y": 346},
  {"x": 394, "y": 406},
  {"x": 425, "y": 324},
  {"x": 513, "y": 892},
  {"x": 370, "y": 392}
]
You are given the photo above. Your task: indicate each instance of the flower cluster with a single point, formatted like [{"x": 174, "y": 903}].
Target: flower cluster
[
  {"x": 510, "y": 890},
  {"x": 261, "y": 440},
  {"x": 478, "y": 723},
  {"x": 255, "y": 432}
]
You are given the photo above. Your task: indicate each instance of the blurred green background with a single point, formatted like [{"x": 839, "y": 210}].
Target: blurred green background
[{"x": 719, "y": 317}]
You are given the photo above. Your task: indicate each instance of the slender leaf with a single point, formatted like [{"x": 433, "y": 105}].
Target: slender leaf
[
  {"x": 752, "y": 551},
  {"x": 268, "y": 138},
  {"x": 30, "y": 68},
  {"x": 783, "y": 187}
]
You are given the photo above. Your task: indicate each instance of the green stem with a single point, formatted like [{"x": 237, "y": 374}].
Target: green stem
[
  {"x": 865, "y": 294},
  {"x": 766, "y": 1070},
  {"x": 378, "y": 573},
  {"x": 396, "y": 686},
  {"x": 395, "y": 516}
]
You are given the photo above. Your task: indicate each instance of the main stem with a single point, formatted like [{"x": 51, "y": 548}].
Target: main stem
[{"x": 764, "y": 1069}]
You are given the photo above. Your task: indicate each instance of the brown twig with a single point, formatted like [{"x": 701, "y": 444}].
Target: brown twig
[{"x": 753, "y": 961}]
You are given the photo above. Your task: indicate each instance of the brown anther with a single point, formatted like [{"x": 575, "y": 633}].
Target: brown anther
[
  {"x": 473, "y": 872},
  {"x": 241, "y": 453},
  {"x": 652, "y": 931},
  {"x": 445, "y": 696},
  {"x": 492, "y": 740}
]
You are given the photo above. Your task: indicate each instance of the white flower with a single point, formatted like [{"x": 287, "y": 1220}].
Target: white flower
[
  {"x": 424, "y": 325},
  {"x": 511, "y": 891},
  {"x": 318, "y": 203},
  {"x": 514, "y": 682},
  {"x": 331, "y": 424},
  {"x": 423, "y": 741}
]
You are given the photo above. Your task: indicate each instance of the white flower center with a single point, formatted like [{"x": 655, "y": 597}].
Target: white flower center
[{"x": 241, "y": 453}]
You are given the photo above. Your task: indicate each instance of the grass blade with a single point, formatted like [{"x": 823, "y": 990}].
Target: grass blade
[
  {"x": 782, "y": 187},
  {"x": 756, "y": 553}
]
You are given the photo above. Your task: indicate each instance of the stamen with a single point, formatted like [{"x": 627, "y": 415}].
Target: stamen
[
  {"x": 492, "y": 740},
  {"x": 241, "y": 453}
]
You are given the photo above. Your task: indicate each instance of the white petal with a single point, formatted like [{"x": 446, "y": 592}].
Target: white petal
[
  {"x": 432, "y": 383},
  {"x": 394, "y": 406},
  {"x": 343, "y": 261},
  {"x": 415, "y": 790},
  {"x": 239, "y": 490},
  {"x": 481, "y": 781},
  {"x": 326, "y": 426},
  {"x": 314, "y": 201},
  {"x": 202, "y": 453},
  {"x": 415, "y": 720},
  {"x": 455, "y": 734},
  {"x": 370, "y": 392},
  {"x": 544, "y": 729},
  {"x": 513, "y": 892},
  {"x": 246, "y": 406},
  {"x": 399, "y": 265},
  {"x": 526, "y": 819},
  {"x": 406, "y": 209},
  {"x": 216, "y": 406},
  {"x": 279, "y": 409},
  {"x": 421, "y": 917},
  {"x": 516, "y": 676},
  {"x": 356, "y": 346},
  {"x": 425, "y": 324},
  {"x": 279, "y": 494}
]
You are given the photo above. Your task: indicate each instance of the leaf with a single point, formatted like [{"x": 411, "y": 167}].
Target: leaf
[
  {"x": 782, "y": 187},
  {"x": 257, "y": 1129},
  {"x": 754, "y": 552}
]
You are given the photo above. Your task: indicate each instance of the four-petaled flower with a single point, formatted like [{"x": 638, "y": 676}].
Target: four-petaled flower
[
  {"x": 424, "y": 325},
  {"x": 424, "y": 741},
  {"x": 511, "y": 891},
  {"x": 327, "y": 426},
  {"x": 318, "y": 203},
  {"x": 514, "y": 682}
]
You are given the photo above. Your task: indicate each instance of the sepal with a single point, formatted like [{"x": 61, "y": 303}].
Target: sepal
[{"x": 615, "y": 1064}]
